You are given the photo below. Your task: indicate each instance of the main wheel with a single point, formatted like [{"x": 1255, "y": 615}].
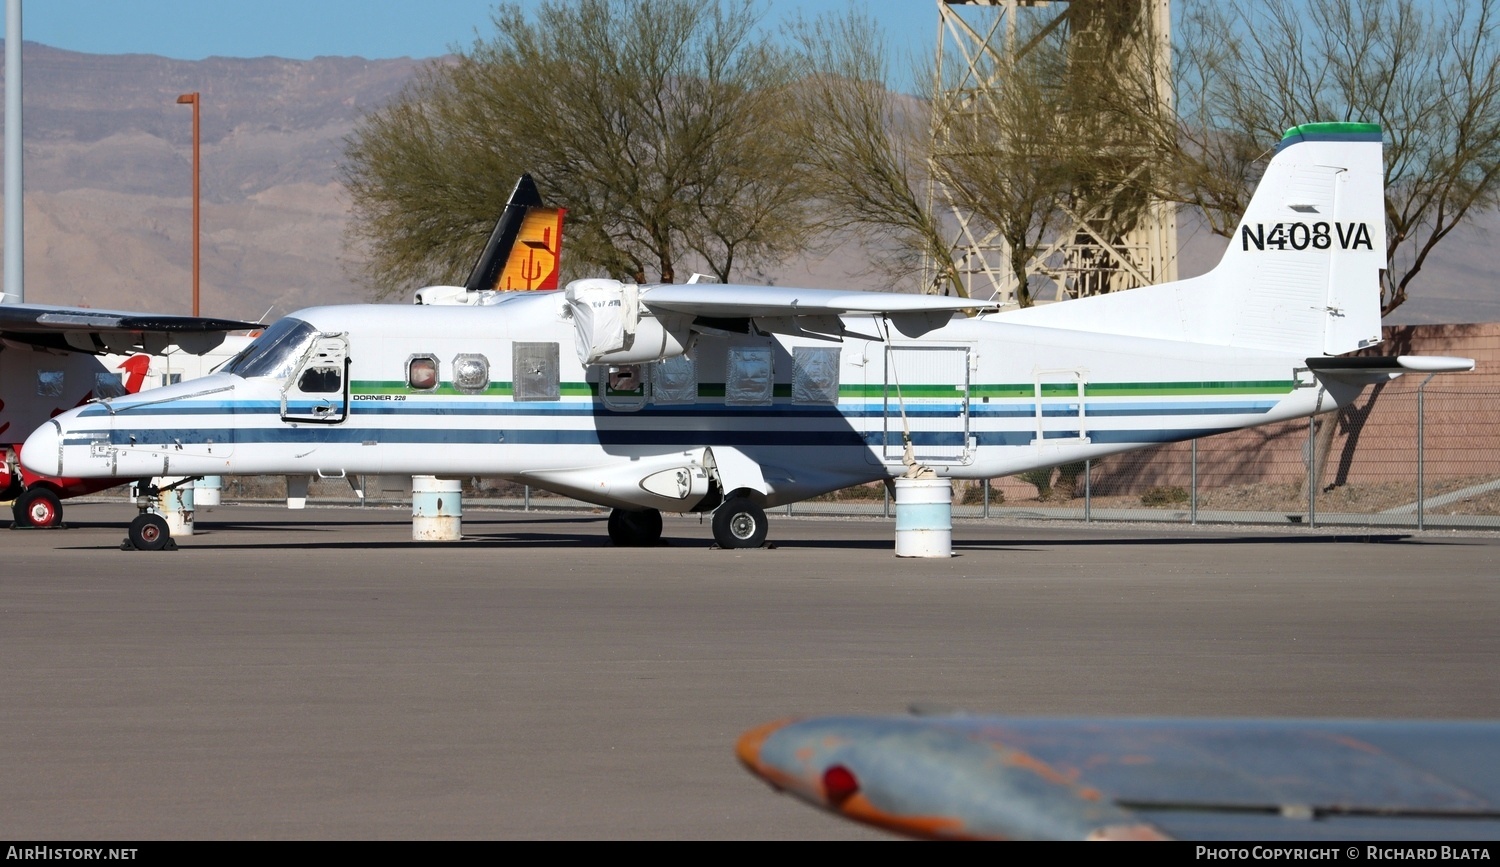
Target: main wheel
[
  {"x": 149, "y": 532},
  {"x": 739, "y": 523},
  {"x": 635, "y": 529},
  {"x": 39, "y": 508}
]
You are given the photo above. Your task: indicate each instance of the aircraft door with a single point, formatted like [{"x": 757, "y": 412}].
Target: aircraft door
[
  {"x": 1060, "y": 411},
  {"x": 318, "y": 391},
  {"x": 928, "y": 386}
]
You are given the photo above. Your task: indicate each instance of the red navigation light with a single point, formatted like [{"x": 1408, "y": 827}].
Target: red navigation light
[{"x": 839, "y": 784}]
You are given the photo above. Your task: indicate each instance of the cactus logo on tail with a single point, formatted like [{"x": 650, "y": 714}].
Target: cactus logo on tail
[{"x": 533, "y": 261}]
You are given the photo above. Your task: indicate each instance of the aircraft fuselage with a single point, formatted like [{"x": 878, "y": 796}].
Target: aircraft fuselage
[{"x": 500, "y": 391}]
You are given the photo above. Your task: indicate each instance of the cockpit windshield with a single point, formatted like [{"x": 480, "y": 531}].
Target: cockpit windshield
[{"x": 275, "y": 352}]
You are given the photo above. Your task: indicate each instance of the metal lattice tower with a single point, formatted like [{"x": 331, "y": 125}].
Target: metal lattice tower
[{"x": 978, "y": 36}]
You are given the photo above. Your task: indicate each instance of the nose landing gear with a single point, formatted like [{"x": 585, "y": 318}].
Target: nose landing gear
[{"x": 150, "y": 530}]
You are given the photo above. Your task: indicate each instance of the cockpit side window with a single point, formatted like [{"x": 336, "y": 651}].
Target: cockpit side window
[
  {"x": 320, "y": 380},
  {"x": 274, "y": 353}
]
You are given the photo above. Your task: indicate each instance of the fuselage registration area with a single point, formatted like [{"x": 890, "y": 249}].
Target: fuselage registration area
[{"x": 1302, "y": 236}]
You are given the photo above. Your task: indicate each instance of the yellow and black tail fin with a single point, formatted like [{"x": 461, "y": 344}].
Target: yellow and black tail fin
[{"x": 525, "y": 250}]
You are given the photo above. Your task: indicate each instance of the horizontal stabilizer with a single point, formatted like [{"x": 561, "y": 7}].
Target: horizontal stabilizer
[{"x": 1359, "y": 366}]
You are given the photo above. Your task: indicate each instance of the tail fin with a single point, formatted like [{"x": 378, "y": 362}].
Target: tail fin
[
  {"x": 1301, "y": 274},
  {"x": 525, "y": 250}
]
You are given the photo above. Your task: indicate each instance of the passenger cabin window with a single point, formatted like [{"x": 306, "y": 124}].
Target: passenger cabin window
[
  {"x": 535, "y": 372},
  {"x": 815, "y": 375},
  {"x": 747, "y": 376},
  {"x": 471, "y": 373},
  {"x": 626, "y": 387},
  {"x": 320, "y": 380},
  {"x": 422, "y": 372}
]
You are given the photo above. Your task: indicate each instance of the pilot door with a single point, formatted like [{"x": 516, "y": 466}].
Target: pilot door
[
  {"x": 927, "y": 395},
  {"x": 318, "y": 392}
]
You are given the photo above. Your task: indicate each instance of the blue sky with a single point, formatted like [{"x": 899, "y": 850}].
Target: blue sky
[{"x": 302, "y": 29}]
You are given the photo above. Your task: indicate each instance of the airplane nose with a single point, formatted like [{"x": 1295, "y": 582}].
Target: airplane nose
[
  {"x": 748, "y": 747},
  {"x": 42, "y": 452}
]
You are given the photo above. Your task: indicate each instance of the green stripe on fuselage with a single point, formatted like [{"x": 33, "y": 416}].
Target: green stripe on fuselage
[{"x": 710, "y": 390}]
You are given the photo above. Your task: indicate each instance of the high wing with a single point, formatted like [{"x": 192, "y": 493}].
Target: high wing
[
  {"x": 625, "y": 323},
  {"x": 84, "y": 329},
  {"x": 717, "y": 300},
  {"x": 979, "y": 777}
]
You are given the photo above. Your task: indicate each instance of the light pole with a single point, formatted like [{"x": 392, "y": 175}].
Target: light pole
[{"x": 193, "y": 100}]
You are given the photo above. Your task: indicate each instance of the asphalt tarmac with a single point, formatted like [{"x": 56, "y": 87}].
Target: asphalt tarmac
[{"x": 317, "y": 675}]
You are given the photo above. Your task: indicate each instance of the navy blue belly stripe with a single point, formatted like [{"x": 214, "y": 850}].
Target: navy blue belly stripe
[{"x": 309, "y": 434}]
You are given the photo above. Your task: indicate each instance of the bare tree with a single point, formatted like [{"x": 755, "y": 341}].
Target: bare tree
[
  {"x": 866, "y": 148},
  {"x": 1026, "y": 142},
  {"x": 658, "y": 124},
  {"x": 1428, "y": 73}
]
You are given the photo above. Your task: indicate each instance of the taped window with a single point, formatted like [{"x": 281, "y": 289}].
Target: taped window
[
  {"x": 49, "y": 383},
  {"x": 815, "y": 375},
  {"x": 422, "y": 372},
  {"x": 536, "y": 372},
  {"x": 747, "y": 376},
  {"x": 108, "y": 385},
  {"x": 471, "y": 373},
  {"x": 675, "y": 380}
]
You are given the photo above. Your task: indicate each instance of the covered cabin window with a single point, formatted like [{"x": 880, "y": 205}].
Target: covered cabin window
[
  {"x": 675, "y": 380},
  {"x": 815, "y": 375},
  {"x": 108, "y": 385},
  {"x": 471, "y": 373},
  {"x": 748, "y": 378},
  {"x": 535, "y": 371},
  {"x": 422, "y": 372},
  {"x": 49, "y": 383}
]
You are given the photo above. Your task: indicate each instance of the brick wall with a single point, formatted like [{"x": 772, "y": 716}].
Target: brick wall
[{"x": 1375, "y": 440}]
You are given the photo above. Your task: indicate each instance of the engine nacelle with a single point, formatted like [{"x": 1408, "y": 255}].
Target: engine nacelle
[
  {"x": 612, "y": 330},
  {"x": 671, "y": 483}
]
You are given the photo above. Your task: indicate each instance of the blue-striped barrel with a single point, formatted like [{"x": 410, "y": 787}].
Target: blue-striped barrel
[
  {"x": 924, "y": 517},
  {"x": 436, "y": 509}
]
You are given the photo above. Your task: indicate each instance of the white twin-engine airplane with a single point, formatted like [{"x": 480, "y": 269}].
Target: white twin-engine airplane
[{"x": 735, "y": 399}]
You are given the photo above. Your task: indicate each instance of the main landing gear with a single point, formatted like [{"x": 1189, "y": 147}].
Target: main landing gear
[
  {"x": 640, "y": 529},
  {"x": 739, "y": 523},
  {"x": 38, "y": 509}
]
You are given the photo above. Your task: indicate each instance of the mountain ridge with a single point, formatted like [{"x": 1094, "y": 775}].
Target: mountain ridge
[{"x": 108, "y": 157}]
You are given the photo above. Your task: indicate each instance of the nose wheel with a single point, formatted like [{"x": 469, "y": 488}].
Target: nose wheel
[
  {"x": 739, "y": 523},
  {"x": 149, "y": 532}
]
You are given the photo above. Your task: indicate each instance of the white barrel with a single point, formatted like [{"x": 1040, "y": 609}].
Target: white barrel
[
  {"x": 176, "y": 505},
  {"x": 206, "y": 491},
  {"x": 924, "y": 517},
  {"x": 436, "y": 509}
]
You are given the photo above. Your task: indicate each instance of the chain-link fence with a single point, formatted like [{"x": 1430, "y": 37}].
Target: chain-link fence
[{"x": 1407, "y": 454}]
